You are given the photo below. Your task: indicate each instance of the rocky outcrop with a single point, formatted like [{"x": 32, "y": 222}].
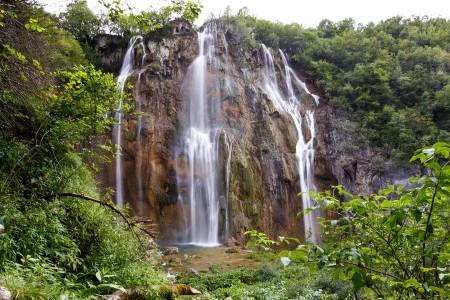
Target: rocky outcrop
[
  {"x": 264, "y": 180},
  {"x": 110, "y": 50},
  {"x": 353, "y": 163}
]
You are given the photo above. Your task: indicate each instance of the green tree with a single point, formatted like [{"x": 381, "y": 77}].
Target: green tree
[
  {"x": 394, "y": 244},
  {"x": 59, "y": 240},
  {"x": 79, "y": 20}
]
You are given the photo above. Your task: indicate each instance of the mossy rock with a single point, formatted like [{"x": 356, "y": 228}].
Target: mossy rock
[{"x": 244, "y": 178}]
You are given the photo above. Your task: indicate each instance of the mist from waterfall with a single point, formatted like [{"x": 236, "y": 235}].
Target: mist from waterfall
[
  {"x": 291, "y": 103},
  {"x": 199, "y": 165}
]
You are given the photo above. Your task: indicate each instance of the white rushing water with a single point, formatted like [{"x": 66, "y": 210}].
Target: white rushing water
[
  {"x": 140, "y": 188},
  {"x": 199, "y": 182},
  {"x": 128, "y": 68},
  {"x": 290, "y": 103}
]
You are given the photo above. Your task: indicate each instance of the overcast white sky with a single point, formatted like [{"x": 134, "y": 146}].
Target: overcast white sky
[{"x": 306, "y": 12}]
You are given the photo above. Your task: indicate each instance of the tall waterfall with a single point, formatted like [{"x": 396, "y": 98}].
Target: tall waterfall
[
  {"x": 199, "y": 163},
  {"x": 140, "y": 188},
  {"x": 291, "y": 103},
  {"x": 128, "y": 68}
]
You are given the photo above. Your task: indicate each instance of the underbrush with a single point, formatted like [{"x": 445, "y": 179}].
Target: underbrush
[
  {"x": 269, "y": 281},
  {"x": 69, "y": 248}
]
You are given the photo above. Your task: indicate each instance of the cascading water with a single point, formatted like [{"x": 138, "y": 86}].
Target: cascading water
[
  {"x": 229, "y": 145},
  {"x": 292, "y": 105},
  {"x": 198, "y": 169},
  {"x": 140, "y": 190},
  {"x": 128, "y": 68}
]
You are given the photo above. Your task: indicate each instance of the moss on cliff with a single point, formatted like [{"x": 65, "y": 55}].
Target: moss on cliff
[{"x": 243, "y": 179}]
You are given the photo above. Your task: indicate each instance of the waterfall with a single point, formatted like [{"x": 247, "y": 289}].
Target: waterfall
[
  {"x": 229, "y": 145},
  {"x": 198, "y": 164},
  {"x": 128, "y": 68},
  {"x": 140, "y": 190},
  {"x": 293, "y": 104}
]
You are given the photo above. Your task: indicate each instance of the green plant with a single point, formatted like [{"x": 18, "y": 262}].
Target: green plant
[
  {"x": 394, "y": 244},
  {"x": 215, "y": 268},
  {"x": 266, "y": 243}
]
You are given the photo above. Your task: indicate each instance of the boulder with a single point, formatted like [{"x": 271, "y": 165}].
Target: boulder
[
  {"x": 171, "y": 250},
  {"x": 174, "y": 260},
  {"x": 183, "y": 289},
  {"x": 5, "y": 294},
  {"x": 232, "y": 242},
  {"x": 191, "y": 271}
]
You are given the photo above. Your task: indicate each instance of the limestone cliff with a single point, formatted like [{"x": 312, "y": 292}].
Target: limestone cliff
[{"x": 264, "y": 180}]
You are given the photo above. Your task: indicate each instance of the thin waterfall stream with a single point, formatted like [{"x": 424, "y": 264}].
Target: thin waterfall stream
[
  {"x": 127, "y": 69},
  {"x": 292, "y": 105}
]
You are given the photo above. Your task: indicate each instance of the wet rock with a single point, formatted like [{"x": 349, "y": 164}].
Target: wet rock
[
  {"x": 171, "y": 250},
  {"x": 191, "y": 271},
  {"x": 275, "y": 114},
  {"x": 232, "y": 242},
  {"x": 115, "y": 296},
  {"x": 195, "y": 291},
  {"x": 174, "y": 260},
  {"x": 183, "y": 289},
  {"x": 170, "y": 276},
  {"x": 5, "y": 294}
]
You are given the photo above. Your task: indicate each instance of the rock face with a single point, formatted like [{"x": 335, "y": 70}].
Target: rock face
[
  {"x": 264, "y": 180},
  {"x": 360, "y": 168},
  {"x": 110, "y": 49}
]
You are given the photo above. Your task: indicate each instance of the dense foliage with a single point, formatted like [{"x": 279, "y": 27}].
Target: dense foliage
[
  {"x": 269, "y": 281},
  {"x": 392, "y": 77},
  {"x": 390, "y": 245},
  {"x": 86, "y": 26},
  {"x": 52, "y": 245}
]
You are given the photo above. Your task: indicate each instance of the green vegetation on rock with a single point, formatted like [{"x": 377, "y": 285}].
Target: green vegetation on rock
[
  {"x": 392, "y": 77},
  {"x": 390, "y": 245},
  {"x": 56, "y": 243}
]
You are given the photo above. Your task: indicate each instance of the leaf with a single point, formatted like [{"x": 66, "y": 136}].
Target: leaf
[
  {"x": 416, "y": 213},
  {"x": 334, "y": 223},
  {"x": 320, "y": 249},
  {"x": 412, "y": 282},
  {"x": 285, "y": 261},
  {"x": 357, "y": 280},
  {"x": 323, "y": 260},
  {"x": 298, "y": 255},
  {"x": 113, "y": 286},
  {"x": 327, "y": 203},
  {"x": 99, "y": 276},
  {"x": 429, "y": 151}
]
